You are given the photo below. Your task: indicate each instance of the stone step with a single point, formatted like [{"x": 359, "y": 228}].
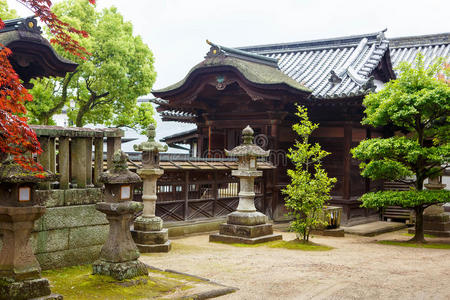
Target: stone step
[
  {"x": 374, "y": 228},
  {"x": 242, "y": 240}
]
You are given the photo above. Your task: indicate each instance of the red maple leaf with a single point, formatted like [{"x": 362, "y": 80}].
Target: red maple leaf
[{"x": 16, "y": 137}]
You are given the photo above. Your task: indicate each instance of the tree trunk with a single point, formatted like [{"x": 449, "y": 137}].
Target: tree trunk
[
  {"x": 419, "y": 234},
  {"x": 83, "y": 110}
]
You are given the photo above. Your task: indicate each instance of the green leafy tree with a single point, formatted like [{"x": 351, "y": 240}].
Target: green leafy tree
[
  {"x": 417, "y": 103},
  {"x": 5, "y": 12},
  {"x": 105, "y": 87},
  {"x": 310, "y": 185}
]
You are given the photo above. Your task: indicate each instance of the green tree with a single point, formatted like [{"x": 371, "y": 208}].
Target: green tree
[
  {"x": 105, "y": 87},
  {"x": 417, "y": 104},
  {"x": 310, "y": 185},
  {"x": 5, "y": 12}
]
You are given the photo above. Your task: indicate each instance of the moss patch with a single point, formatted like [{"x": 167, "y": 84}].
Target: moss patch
[
  {"x": 425, "y": 235},
  {"x": 415, "y": 245},
  {"x": 292, "y": 245},
  {"x": 299, "y": 245},
  {"x": 78, "y": 283}
]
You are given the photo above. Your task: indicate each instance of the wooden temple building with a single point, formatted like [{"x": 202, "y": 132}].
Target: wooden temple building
[
  {"x": 261, "y": 85},
  {"x": 32, "y": 55}
]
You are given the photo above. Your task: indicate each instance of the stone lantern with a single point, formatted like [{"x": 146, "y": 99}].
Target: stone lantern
[
  {"x": 20, "y": 272},
  {"x": 435, "y": 220},
  {"x": 148, "y": 232},
  {"x": 246, "y": 225},
  {"x": 119, "y": 256}
]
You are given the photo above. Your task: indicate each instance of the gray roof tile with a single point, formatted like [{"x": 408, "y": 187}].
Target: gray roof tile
[
  {"x": 431, "y": 46},
  {"x": 353, "y": 59}
]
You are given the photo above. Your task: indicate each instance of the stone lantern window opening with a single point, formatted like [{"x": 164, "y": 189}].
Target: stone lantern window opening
[
  {"x": 125, "y": 192},
  {"x": 24, "y": 194},
  {"x": 253, "y": 163}
]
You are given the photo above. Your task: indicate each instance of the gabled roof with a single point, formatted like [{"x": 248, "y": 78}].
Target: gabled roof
[
  {"x": 33, "y": 56},
  {"x": 431, "y": 46},
  {"x": 256, "y": 69},
  {"x": 331, "y": 68}
]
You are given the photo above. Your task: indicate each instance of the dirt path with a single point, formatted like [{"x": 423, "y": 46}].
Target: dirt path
[{"x": 358, "y": 268}]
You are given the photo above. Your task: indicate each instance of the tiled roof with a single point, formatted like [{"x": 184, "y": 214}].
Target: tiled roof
[
  {"x": 331, "y": 68},
  {"x": 431, "y": 46},
  {"x": 257, "y": 69}
]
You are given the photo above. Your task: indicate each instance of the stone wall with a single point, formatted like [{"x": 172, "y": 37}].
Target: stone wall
[{"x": 72, "y": 231}]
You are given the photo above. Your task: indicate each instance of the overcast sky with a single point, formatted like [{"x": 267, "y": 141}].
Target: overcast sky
[{"x": 176, "y": 30}]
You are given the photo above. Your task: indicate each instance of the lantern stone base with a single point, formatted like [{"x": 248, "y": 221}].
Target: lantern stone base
[
  {"x": 437, "y": 225},
  {"x": 246, "y": 228},
  {"x": 149, "y": 235},
  {"x": 242, "y": 240},
  {"x": 121, "y": 270},
  {"x": 246, "y": 218},
  {"x": 155, "y": 248},
  {"x": 27, "y": 289}
]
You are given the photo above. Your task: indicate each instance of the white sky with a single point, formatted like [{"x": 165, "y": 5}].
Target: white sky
[{"x": 176, "y": 30}]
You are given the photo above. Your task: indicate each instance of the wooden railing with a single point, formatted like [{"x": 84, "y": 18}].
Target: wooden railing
[{"x": 192, "y": 189}]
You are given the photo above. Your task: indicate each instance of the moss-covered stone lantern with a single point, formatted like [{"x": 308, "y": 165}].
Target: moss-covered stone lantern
[
  {"x": 148, "y": 232},
  {"x": 246, "y": 225},
  {"x": 119, "y": 255},
  {"x": 19, "y": 270}
]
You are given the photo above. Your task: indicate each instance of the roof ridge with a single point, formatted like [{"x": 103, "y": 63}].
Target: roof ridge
[
  {"x": 422, "y": 40},
  {"x": 217, "y": 49},
  {"x": 318, "y": 43}
]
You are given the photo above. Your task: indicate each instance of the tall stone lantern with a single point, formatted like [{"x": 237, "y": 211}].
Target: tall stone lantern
[
  {"x": 20, "y": 272},
  {"x": 148, "y": 232},
  {"x": 119, "y": 255},
  {"x": 246, "y": 225}
]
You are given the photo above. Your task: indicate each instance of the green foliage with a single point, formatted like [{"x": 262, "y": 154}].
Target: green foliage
[
  {"x": 5, "y": 12},
  {"x": 105, "y": 87},
  {"x": 398, "y": 157},
  {"x": 416, "y": 104},
  {"x": 77, "y": 283},
  {"x": 310, "y": 186},
  {"x": 416, "y": 245},
  {"x": 406, "y": 199},
  {"x": 291, "y": 245},
  {"x": 419, "y": 104}
]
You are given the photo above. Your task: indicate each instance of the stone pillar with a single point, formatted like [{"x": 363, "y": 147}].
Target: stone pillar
[
  {"x": 63, "y": 162},
  {"x": 78, "y": 159},
  {"x": 246, "y": 225},
  {"x": 20, "y": 273},
  {"x": 148, "y": 232},
  {"x": 98, "y": 161},
  {"x": 88, "y": 142},
  {"x": 112, "y": 145},
  {"x": 119, "y": 256},
  {"x": 45, "y": 159}
]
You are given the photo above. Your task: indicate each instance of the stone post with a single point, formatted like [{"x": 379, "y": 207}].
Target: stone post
[
  {"x": 98, "y": 161},
  {"x": 119, "y": 256},
  {"x": 435, "y": 220},
  {"x": 148, "y": 232},
  {"x": 78, "y": 152},
  {"x": 20, "y": 273},
  {"x": 246, "y": 225},
  {"x": 63, "y": 161}
]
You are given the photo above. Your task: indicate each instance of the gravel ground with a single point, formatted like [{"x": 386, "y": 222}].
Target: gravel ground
[{"x": 358, "y": 268}]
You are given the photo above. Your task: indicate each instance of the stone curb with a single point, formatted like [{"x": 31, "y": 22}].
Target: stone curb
[{"x": 204, "y": 295}]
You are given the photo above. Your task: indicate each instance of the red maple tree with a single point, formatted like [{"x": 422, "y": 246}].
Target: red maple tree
[{"x": 16, "y": 137}]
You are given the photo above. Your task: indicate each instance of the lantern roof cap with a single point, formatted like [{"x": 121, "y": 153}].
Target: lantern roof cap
[
  {"x": 247, "y": 148},
  {"x": 12, "y": 172},
  {"x": 151, "y": 144},
  {"x": 119, "y": 172}
]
